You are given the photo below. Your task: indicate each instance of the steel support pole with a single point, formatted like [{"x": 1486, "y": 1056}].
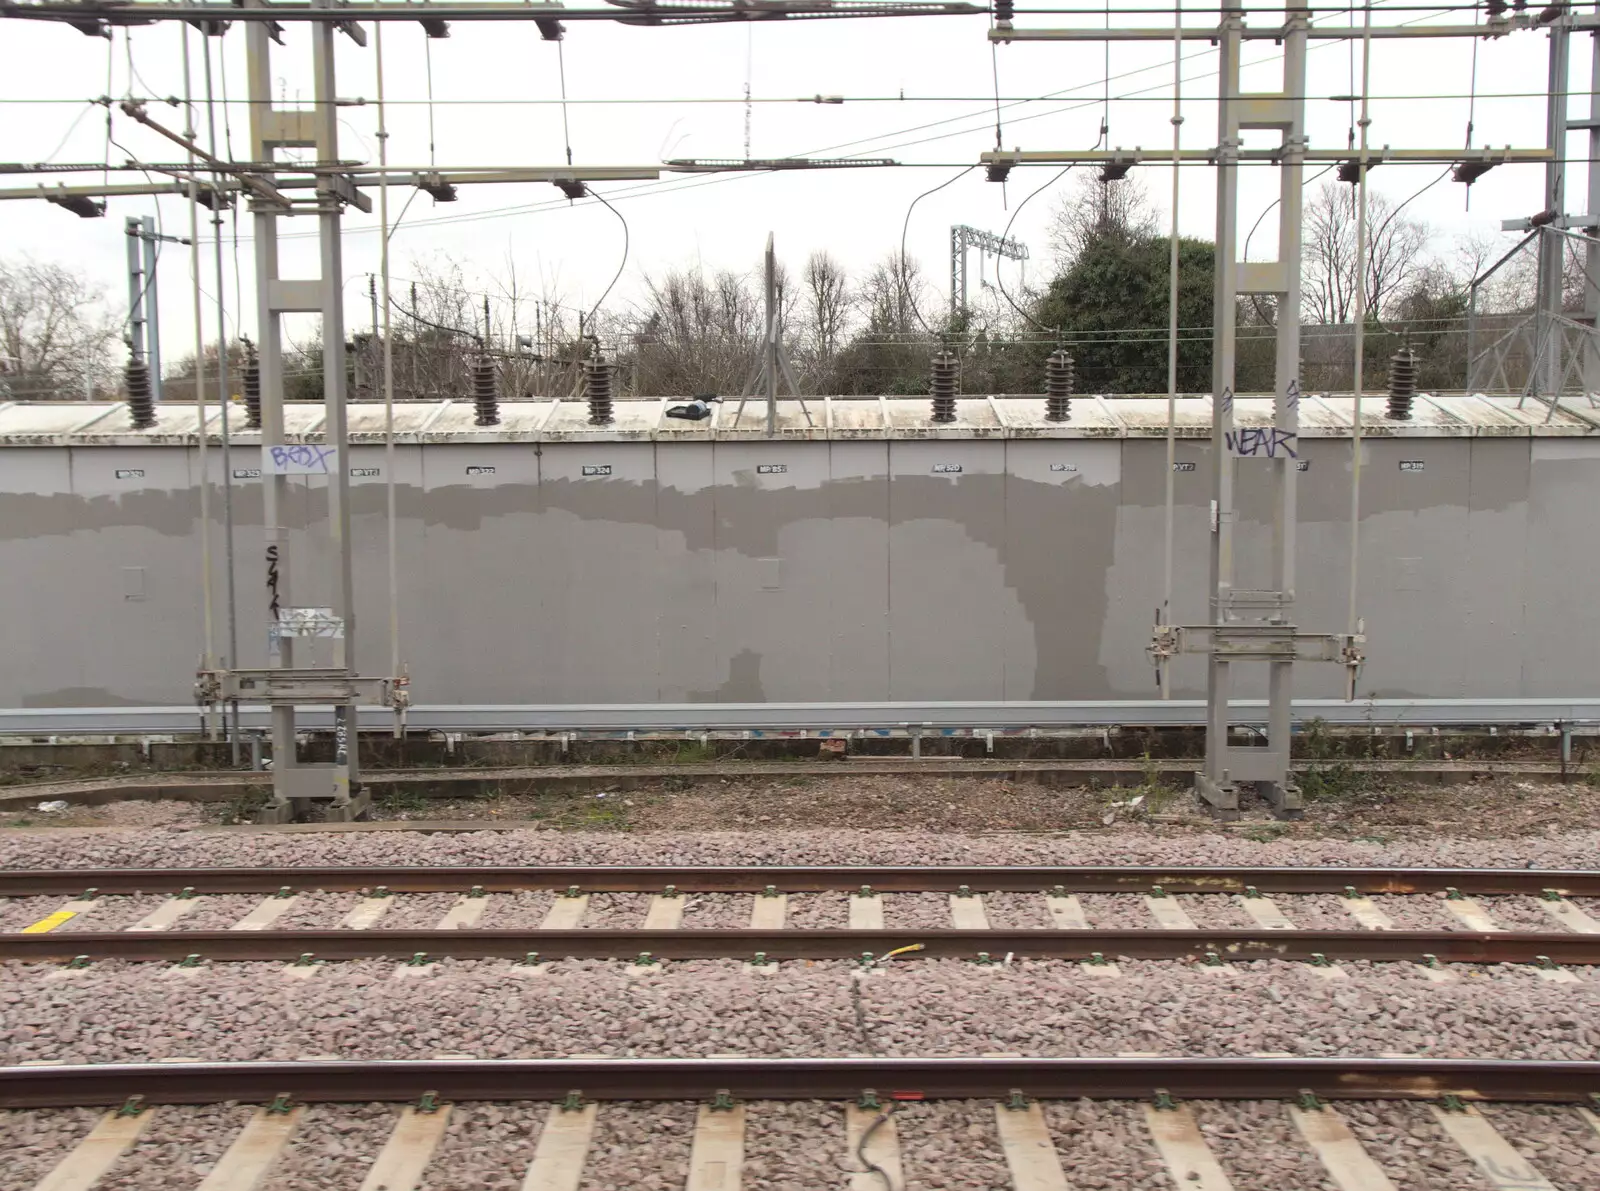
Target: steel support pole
[
  {"x": 769, "y": 350},
  {"x": 1591, "y": 289},
  {"x": 136, "y": 319},
  {"x": 1548, "y": 333},
  {"x": 1267, "y": 608},
  {"x": 1214, "y": 784},
  {"x": 346, "y": 772},
  {"x": 1286, "y": 400},
  {"x": 278, "y": 567},
  {"x": 152, "y": 306}
]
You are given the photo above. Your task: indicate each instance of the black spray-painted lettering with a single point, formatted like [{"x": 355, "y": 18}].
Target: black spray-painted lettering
[
  {"x": 1266, "y": 441},
  {"x": 272, "y": 581}
]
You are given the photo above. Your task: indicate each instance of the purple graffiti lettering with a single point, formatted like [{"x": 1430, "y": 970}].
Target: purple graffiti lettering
[{"x": 301, "y": 458}]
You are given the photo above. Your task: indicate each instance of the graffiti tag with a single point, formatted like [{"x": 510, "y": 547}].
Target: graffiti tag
[
  {"x": 272, "y": 581},
  {"x": 302, "y": 460},
  {"x": 1267, "y": 442}
]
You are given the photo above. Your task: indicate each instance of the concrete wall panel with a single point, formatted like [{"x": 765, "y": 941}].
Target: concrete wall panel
[
  {"x": 866, "y": 569},
  {"x": 1561, "y": 632},
  {"x": 949, "y": 601}
]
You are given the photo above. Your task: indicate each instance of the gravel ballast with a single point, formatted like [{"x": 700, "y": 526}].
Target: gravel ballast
[
  {"x": 34, "y": 1142},
  {"x": 167, "y": 848},
  {"x": 120, "y": 1012}
]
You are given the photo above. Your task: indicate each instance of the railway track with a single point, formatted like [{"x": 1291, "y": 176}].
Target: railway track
[
  {"x": 806, "y": 879},
  {"x": 869, "y": 1122},
  {"x": 1165, "y": 901},
  {"x": 1013, "y": 1105}
]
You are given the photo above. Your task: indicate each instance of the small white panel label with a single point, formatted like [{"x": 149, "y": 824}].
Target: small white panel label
[
  {"x": 947, "y": 469},
  {"x": 1411, "y": 465},
  {"x": 247, "y": 473},
  {"x": 362, "y": 473},
  {"x": 304, "y": 460},
  {"x": 597, "y": 469},
  {"x": 1303, "y": 465},
  {"x": 130, "y": 473},
  {"x": 1063, "y": 467},
  {"x": 771, "y": 469},
  {"x": 480, "y": 471},
  {"x": 1183, "y": 467}
]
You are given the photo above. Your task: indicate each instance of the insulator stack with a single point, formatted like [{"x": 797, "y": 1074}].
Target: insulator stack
[
  {"x": 141, "y": 398},
  {"x": 485, "y": 393},
  {"x": 1402, "y": 382},
  {"x": 252, "y": 392},
  {"x": 943, "y": 385},
  {"x": 597, "y": 377},
  {"x": 1060, "y": 382}
]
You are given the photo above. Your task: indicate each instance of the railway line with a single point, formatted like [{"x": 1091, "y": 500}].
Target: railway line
[
  {"x": 858, "y": 1095},
  {"x": 839, "y": 913},
  {"x": 1014, "y": 1107}
]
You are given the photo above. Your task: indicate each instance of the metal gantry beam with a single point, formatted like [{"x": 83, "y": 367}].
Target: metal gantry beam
[
  {"x": 962, "y": 238},
  {"x": 96, "y": 17}
]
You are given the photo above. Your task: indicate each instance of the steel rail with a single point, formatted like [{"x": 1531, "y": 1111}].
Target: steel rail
[
  {"x": 397, "y": 1081},
  {"x": 837, "y": 717},
  {"x": 1217, "y": 946},
  {"x": 803, "y": 879}
]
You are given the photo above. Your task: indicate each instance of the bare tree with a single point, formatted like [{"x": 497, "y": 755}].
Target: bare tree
[
  {"x": 695, "y": 332},
  {"x": 437, "y": 322},
  {"x": 1091, "y": 209},
  {"x": 892, "y": 294},
  {"x": 826, "y": 305},
  {"x": 1397, "y": 248},
  {"x": 56, "y": 335}
]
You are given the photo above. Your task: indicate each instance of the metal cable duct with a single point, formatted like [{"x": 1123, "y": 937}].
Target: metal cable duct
[
  {"x": 252, "y": 392},
  {"x": 141, "y": 399},
  {"x": 1402, "y": 383},
  {"x": 597, "y": 377},
  {"x": 944, "y": 387},
  {"x": 1060, "y": 382},
  {"x": 485, "y": 392}
]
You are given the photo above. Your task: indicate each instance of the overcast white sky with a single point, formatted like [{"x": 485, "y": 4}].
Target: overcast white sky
[{"x": 484, "y": 74}]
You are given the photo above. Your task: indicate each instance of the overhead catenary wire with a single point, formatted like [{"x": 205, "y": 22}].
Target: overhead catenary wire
[
  {"x": 900, "y": 261},
  {"x": 427, "y": 57},
  {"x": 621, "y": 265},
  {"x": 566, "y": 127},
  {"x": 670, "y": 186},
  {"x": 999, "y": 272},
  {"x": 691, "y": 100}
]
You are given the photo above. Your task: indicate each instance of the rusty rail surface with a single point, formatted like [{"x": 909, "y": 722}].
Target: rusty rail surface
[
  {"x": 1214, "y": 946},
  {"x": 798, "y": 1079},
  {"x": 804, "y": 879}
]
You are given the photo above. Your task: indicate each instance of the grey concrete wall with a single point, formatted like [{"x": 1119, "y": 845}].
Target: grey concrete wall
[{"x": 863, "y": 570}]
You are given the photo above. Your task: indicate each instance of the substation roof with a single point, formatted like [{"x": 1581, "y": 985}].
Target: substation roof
[{"x": 64, "y": 423}]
